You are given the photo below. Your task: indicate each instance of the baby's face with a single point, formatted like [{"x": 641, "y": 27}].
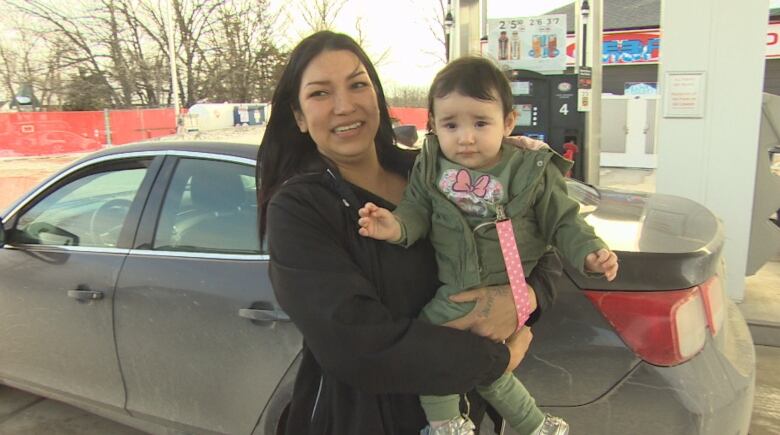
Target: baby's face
[{"x": 470, "y": 130}]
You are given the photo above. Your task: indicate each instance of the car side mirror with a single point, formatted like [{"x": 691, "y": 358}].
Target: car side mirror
[
  {"x": 406, "y": 135},
  {"x": 2, "y": 234}
]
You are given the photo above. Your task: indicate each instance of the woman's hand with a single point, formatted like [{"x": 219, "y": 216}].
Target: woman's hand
[
  {"x": 494, "y": 315},
  {"x": 518, "y": 345},
  {"x": 525, "y": 142}
]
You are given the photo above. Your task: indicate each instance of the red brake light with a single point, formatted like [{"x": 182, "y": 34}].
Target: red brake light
[
  {"x": 714, "y": 303},
  {"x": 663, "y": 327}
]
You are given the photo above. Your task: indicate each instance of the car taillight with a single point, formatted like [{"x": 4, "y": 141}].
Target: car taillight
[
  {"x": 714, "y": 303},
  {"x": 664, "y": 328}
]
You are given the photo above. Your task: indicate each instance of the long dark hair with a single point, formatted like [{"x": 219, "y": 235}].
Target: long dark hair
[{"x": 285, "y": 151}]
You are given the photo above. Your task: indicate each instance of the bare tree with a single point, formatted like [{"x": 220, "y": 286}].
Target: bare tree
[
  {"x": 247, "y": 62},
  {"x": 7, "y": 69},
  {"x": 148, "y": 63},
  {"x": 435, "y": 23},
  {"x": 407, "y": 96},
  {"x": 80, "y": 33},
  {"x": 320, "y": 14},
  {"x": 362, "y": 40},
  {"x": 25, "y": 59},
  {"x": 119, "y": 48}
]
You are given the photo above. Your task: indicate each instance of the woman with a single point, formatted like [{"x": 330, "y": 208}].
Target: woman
[{"x": 328, "y": 148}]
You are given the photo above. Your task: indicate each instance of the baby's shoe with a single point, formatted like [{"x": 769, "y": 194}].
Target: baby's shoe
[
  {"x": 454, "y": 426},
  {"x": 553, "y": 426}
]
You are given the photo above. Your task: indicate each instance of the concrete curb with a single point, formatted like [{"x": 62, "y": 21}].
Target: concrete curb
[{"x": 765, "y": 333}]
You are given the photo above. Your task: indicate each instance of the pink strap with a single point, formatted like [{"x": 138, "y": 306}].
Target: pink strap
[{"x": 514, "y": 269}]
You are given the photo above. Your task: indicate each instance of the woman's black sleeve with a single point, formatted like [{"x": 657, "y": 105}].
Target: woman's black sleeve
[{"x": 351, "y": 333}]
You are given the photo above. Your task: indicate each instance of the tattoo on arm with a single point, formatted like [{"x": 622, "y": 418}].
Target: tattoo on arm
[{"x": 490, "y": 300}]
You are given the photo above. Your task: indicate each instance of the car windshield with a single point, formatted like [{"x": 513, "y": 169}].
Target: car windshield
[{"x": 587, "y": 195}]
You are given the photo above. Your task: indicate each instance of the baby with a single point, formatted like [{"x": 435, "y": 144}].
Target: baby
[{"x": 466, "y": 182}]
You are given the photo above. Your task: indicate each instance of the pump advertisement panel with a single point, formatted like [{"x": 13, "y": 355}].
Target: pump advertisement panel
[{"x": 533, "y": 43}]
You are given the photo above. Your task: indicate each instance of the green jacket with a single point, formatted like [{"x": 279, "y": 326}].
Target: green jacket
[{"x": 543, "y": 215}]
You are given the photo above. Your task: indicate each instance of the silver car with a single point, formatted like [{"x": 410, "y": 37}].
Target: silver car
[{"x": 132, "y": 284}]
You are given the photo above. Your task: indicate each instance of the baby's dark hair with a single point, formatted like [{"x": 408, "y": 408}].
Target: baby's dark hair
[{"x": 471, "y": 76}]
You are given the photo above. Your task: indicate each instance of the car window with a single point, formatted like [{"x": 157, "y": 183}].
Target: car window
[
  {"x": 89, "y": 211},
  {"x": 210, "y": 206}
]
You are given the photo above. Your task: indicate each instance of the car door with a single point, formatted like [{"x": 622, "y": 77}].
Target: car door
[
  {"x": 195, "y": 310},
  {"x": 65, "y": 246}
]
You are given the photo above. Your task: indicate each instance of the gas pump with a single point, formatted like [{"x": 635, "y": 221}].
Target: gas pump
[{"x": 546, "y": 106}]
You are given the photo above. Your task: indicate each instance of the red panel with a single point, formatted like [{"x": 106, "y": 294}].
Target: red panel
[
  {"x": 44, "y": 133},
  {"x": 137, "y": 125},
  {"x": 40, "y": 133},
  {"x": 416, "y": 116}
]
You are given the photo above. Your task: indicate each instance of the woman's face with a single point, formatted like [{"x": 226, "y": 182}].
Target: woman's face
[{"x": 338, "y": 106}]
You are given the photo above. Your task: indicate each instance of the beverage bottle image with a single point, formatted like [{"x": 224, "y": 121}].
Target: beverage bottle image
[
  {"x": 552, "y": 45},
  {"x": 503, "y": 49},
  {"x": 537, "y": 45},
  {"x": 514, "y": 46}
]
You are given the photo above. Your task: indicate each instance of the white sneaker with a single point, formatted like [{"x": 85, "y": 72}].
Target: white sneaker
[
  {"x": 454, "y": 426},
  {"x": 553, "y": 426}
]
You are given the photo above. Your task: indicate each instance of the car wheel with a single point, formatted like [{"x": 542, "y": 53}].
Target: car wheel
[{"x": 281, "y": 425}]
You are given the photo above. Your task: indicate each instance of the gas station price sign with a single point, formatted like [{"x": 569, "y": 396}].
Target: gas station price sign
[{"x": 533, "y": 43}]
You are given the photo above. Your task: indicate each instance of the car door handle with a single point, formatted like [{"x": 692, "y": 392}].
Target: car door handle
[
  {"x": 85, "y": 295},
  {"x": 262, "y": 315}
]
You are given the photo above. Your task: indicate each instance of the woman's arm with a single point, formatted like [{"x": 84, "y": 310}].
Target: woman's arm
[
  {"x": 494, "y": 315},
  {"x": 350, "y": 332}
]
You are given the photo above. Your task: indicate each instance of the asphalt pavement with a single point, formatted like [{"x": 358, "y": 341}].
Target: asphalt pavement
[{"x": 23, "y": 413}]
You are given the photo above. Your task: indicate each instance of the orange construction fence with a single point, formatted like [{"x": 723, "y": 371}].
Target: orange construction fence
[
  {"x": 411, "y": 115},
  {"x": 45, "y": 133}
]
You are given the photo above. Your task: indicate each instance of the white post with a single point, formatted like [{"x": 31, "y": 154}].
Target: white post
[
  {"x": 711, "y": 76},
  {"x": 593, "y": 118},
  {"x": 172, "y": 55},
  {"x": 592, "y": 59}
]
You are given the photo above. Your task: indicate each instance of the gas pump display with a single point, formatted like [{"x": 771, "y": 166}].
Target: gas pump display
[
  {"x": 525, "y": 115},
  {"x": 546, "y": 107}
]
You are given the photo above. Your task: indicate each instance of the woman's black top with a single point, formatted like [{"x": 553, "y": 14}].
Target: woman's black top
[{"x": 365, "y": 357}]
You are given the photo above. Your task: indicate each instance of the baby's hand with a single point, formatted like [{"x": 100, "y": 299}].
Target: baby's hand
[
  {"x": 378, "y": 223},
  {"x": 604, "y": 261}
]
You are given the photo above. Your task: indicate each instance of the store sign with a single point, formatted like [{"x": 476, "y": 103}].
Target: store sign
[
  {"x": 634, "y": 47},
  {"x": 533, "y": 43},
  {"x": 623, "y": 47},
  {"x": 640, "y": 88}
]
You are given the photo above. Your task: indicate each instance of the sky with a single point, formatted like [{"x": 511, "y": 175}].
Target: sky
[
  {"x": 400, "y": 28},
  {"x": 400, "y": 31},
  {"x": 403, "y": 31}
]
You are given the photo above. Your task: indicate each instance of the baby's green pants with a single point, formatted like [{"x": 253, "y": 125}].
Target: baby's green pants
[{"x": 506, "y": 394}]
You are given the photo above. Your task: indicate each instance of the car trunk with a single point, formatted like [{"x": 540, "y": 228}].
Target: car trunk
[
  {"x": 668, "y": 297},
  {"x": 663, "y": 242}
]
